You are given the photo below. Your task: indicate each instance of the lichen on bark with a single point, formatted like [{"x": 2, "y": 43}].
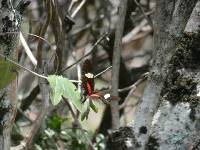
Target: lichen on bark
[
  {"x": 123, "y": 139},
  {"x": 176, "y": 121},
  {"x": 181, "y": 82},
  {"x": 152, "y": 144},
  {"x": 10, "y": 21}
]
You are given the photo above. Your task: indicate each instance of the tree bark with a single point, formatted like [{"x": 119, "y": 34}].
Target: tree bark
[
  {"x": 10, "y": 21},
  {"x": 168, "y": 114}
]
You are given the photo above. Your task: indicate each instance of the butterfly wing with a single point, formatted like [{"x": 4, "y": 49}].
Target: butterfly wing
[{"x": 87, "y": 79}]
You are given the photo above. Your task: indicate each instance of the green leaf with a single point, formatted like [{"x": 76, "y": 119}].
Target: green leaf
[
  {"x": 94, "y": 108},
  {"x": 85, "y": 114},
  {"x": 55, "y": 123},
  {"x": 63, "y": 87}
]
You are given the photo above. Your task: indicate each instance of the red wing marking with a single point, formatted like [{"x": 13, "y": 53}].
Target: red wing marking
[
  {"x": 89, "y": 88},
  {"x": 99, "y": 96},
  {"x": 88, "y": 85},
  {"x": 95, "y": 96}
]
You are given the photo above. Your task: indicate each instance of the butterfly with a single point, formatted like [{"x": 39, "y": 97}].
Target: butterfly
[{"x": 88, "y": 91}]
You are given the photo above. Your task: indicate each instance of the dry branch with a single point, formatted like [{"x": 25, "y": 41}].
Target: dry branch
[{"x": 116, "y": 62}]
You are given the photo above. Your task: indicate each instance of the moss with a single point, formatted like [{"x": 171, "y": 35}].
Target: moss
[
  {"x": 4, "y": 4},
  {"x": 152, "y": 143},
  {"x": 5, "y": 108},
  {"x": 10, "y": 22},
  {"x": 194, "y": 101},
  {"x": 187, "y": 52},
  {"x": 181, "y": 82},
  {"x": 119, "y": 137},
  {"x": 179, "y": 87}
]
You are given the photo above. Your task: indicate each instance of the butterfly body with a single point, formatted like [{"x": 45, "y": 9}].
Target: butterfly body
[{"x": 88, "y": 85}]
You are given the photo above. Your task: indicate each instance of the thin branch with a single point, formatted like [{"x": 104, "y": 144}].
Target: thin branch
[
  {"x": 43, "y": 85},
  {"x": 21, "y": 146},
  {"x": 90, "y": 51},
  {"x": 142, "y": 10},
  {"x": 133, "y": 88},
  {"x": 44, "y": 110},
  {"x": 75, "y": 81},
  {"x": 25, "y": 45},
  {"x": 116, "y": 62},
  {"x": 132, "y": 34},
  {"x": 27, "y": 49},
  {"x": 59, "y": 34},
  {"x": 37, "y": 36},
  {"x": 20, "y": 66},
  {"x": 43, "y": 31},
  {"x": 100, "y": 73},
  {"x": 78, "y": 8},
  {"x": 24, "y": 115},
  {"x": 27, "y": 101},
  {"x": 31, "y": 34},
  {"x": 70, "y": 109},
  {"x": 32, "y": 72},
  {"x": 79, "y": 75},
  {"x": 71, "y": 5},
  {"x": 143, "y": 77},
  {"x": 86, "y": 26},
  {"x": 77, "y": 122}
]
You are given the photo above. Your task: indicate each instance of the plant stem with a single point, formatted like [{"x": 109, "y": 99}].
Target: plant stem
[{"x": 116, "y": 62}]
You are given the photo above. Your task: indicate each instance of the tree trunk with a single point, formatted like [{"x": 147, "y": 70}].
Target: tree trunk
[
  {"x": 168, "y": 116},
  {"x": 10, "y": 20}
]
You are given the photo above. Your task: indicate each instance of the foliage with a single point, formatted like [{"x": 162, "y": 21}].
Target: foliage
[
  {"x": 61, "y": 35},
  {"x": 63, "y": 87},
  {"x": 71, "y": 138}
]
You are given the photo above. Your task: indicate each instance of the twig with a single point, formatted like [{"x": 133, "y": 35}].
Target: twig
[
  {"x": 32, "y": 72},
  {"x": 78, "y": 8},
  {"x": 143, "y": 77},
  {"x": 148, "y": 13},
  {"x": 116, "y": 62},
  {"x": 27, "y": 101},
  {"x": 43, "y": 31},
  {"x": 141, "y": 9},
  {"x": 21, "y": 146},
  {"x": 90, "y": 51},
  {"x": 20, "y": 66},
  {"x": 71, "y": 5},
  {"x": 44, "y": 110},
  {"x": 77, "y": 122},
  {"x": 27, "y": 49},
  {"x": 70, "y": 109},
  {"x": 79, "y": 75},
  {"x": 56, "y": 58},
  {"x": 133, "y": 88},
  {"x": 24, "y": 115},
  {"x": 75, "y": 81},
  {"x": 31, "y": 34},
  {"x": 86, "y": 26},
  {"x": 37, "y": 36},
  {"x": 58, "y": 29},
  {"x": 102, "y": 72},
  {"x": 129, "y": 36},
  {"x": 42, "y": 83}
]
